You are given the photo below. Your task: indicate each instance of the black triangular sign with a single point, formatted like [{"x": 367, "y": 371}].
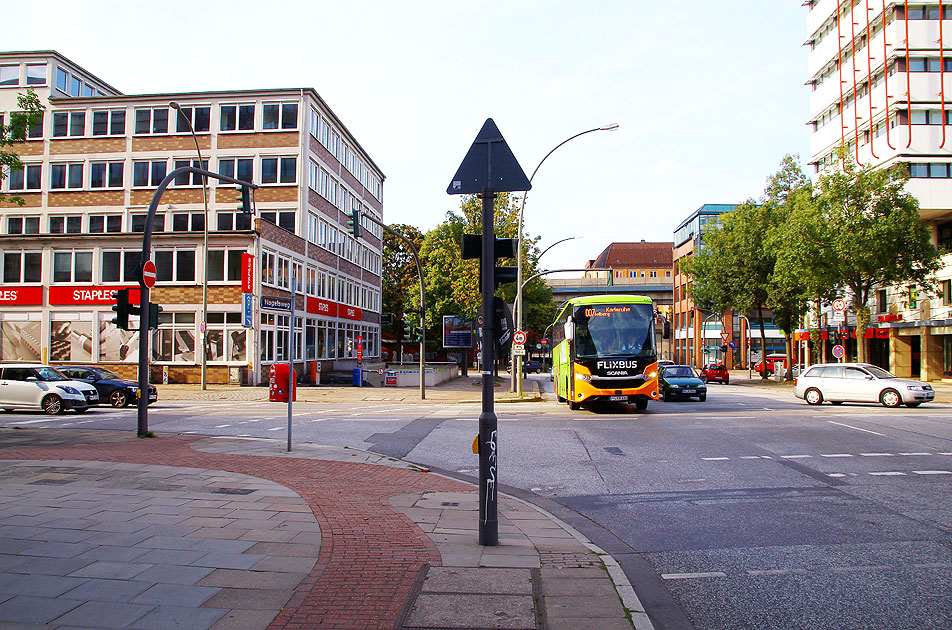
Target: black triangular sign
[{"x": 489, "y": 166}]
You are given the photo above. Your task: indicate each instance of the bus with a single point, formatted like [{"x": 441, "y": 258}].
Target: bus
[{"x": 604, "y": 350}]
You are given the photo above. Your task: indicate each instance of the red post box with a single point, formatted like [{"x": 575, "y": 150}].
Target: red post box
[{"x": 278, "y": 383}]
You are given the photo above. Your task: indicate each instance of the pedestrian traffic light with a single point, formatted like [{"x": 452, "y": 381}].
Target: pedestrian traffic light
[
  {"x": 472, "y": 247},
  {"x": 244, "y": 198},
  {"x": 154, "y": 310},
  {"x": 353, "y": 223},
  {"x": 123, "y": 309}
]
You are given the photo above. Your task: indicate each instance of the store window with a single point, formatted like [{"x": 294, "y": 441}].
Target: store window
[
  {"x": 70, "y": 340},
  {"x": 115, "y": 344},
  {"x": 226, "y": 337},
  {"x": 175, "y": 338}
]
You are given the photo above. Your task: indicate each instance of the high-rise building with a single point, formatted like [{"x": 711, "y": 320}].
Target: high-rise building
[
  {"x": 877, "y": 74},
  {"x": 91, "y": 168}
]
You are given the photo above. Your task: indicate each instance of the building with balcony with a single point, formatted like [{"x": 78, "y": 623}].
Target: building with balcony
[
  {"x": 877, "y": 71},
  {"x": 91, "y": 168}
]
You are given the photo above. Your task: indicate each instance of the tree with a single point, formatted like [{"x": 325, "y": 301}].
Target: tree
[
  {"x": 15, "y": 133},
  {"x": 862, "y": 230},
  {"x": 400, "y": 280}
]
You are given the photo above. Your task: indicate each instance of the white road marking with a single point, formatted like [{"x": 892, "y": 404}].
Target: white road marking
[
  {"x": 877, "y": 454},
  {"x": 945, "y": 453},
  {"x": 244, "y": 435},
  {"x": 933, "y": 472},
  {"x": 687, "y": 576},
  {"x": 915, "y": 453},
  {"x": 33, "y": 421},
  {"x": 750, "y": 457},
  {"x": 837, "y": 455},
  {"x": 849, "y": 426},
  {"x": 836, "y": 475},
  {"x": 222, "y": 426},
  {"x": 277, "y": 428},
  {"x": 794, "y": 456},
  {"x": 715, "y": 459},
  {"x": 777, "y": 572},
  {"x": 893, "y": 473}
]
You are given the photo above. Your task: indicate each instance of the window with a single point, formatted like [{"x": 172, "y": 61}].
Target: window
[
  {"x": 109, "y": 123},
  {"x": 22, "y": 267},
  {"x": 36, "y": 131},
  {"x": 103, "y": 223},
  {"x": 240, "y": 117},
  {"x": 945, "y": 235},
  {"x": 228, "y": 221},
  {"x": 194, "y": 179},
  {"x": 188, "y": 222},
  {"x": 226, "y": 337},
  {"x": 881, "y": 301},
  {"x": 66, "y": 224},
  {"x": 274, "y": 169},
  {"x": 283, "y": 219},
  {"x": 200, "y": 122},
  {"x": 36, "y": 74},
  {"x": 106, "y": 174},
  {"x": 946, "y": 289},
  {"x": 152, "y": 120},
  {"x": 175, "y": 265},
  {"x": 138, "y": 223},
  {"x": 275, "y": 116},
  {"x": 919, "y": 170},
  {"x": 61, "y": 80},
  {"x": 145, "y": 172},
  {"x": 940, "y": 169},
  {"x": 239, "y": 168},
  {"x": 120, "y": 266},
  {"x": 29, "y": 177},
  {"x": 175, "y": 338},
  {"x": 69, "y": 123},
  {"x": 268, "y": 263},
  {"x": 66, "y": 176},
  {"x": 23, "y": 225},
  {"x": 9, "y": 75},
  {"x": 72, "y": 266},
  {"x": 224, "y": 265}
]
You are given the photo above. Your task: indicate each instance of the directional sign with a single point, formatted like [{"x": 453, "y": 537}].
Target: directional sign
[
  {"x": 733, "y": 345},
  {"x": 519, "y": 337},
  {"x": 489, "y": 165},
  {"x": 148, "y": 274}
]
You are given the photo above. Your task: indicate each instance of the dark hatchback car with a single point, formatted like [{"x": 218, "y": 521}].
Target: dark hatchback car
[
  {"x": 715, "y": 373},
  {"x": 531, "y": 366},
  {"x": 681, "y": 381},
  {"x": 112, "y": 387}
]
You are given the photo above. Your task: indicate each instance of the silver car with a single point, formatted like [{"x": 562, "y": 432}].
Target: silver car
[
  {"x": 36, "y": 386},
  {"x": 859, "y": 382}
]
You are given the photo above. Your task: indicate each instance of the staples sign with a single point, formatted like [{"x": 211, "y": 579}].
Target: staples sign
[
  {"x": 21, "y": 296},
  {"x": 91, "y": 295}
]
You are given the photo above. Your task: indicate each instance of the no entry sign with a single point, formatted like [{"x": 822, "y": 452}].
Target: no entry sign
[{"x": 148, "y": 274}]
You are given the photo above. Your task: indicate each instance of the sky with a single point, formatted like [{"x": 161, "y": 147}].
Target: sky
[{"x": 708, "y": 96}]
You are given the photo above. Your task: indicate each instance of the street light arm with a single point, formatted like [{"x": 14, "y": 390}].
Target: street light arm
[{"x": 570, "y": 238}]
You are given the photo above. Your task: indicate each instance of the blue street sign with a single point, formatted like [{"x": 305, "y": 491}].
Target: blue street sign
[
  {"x": 733, "y": 345},
  {"x": 275, "y": 303},
  {"x": 248, "y": 302}
]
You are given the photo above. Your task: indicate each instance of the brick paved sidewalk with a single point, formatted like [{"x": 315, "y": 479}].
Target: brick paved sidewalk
[{"x": 393, "y": 542}]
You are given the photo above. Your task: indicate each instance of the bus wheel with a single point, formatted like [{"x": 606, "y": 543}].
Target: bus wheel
[
  {"x": 574, "y": 405},
  {"x": 641, "y": 404}
]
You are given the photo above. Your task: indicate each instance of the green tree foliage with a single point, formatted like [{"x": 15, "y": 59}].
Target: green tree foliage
[
  {"x": 452, "y": 284},
  {"x": 14, "y": 133},
  {"x": 400, "y": 278},
  {"x": 861, "y": 230}
]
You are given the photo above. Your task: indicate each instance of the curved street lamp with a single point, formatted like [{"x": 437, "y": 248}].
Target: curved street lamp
[
  {"x": 517, "y": 369},
  {"x": 201, "y": 164},
  {"x": 570, "y": 238}
]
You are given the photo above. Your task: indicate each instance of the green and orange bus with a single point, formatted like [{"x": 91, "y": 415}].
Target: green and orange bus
[{"x": 604, "y": 350}]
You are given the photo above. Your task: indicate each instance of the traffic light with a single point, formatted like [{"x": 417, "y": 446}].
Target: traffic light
[
  {"x": 123, "y": 309},
  {"x": 353, "y": 223},
  {"x": 472, "y": 247},
  {"x": 724, "y": 348},
  {"x": 417, "y": 333},
  {"x": 154, "y": 310},
  {"x": 407, "y": 330},
  {"x": 244, "y": 197}
]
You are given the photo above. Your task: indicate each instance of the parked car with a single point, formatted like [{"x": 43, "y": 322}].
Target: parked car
[
  {"x": 715, "y": 372},
  {"x": 859, "y": 382},
  {"x": 37, "y": 386},
  {"x": 681, "y": 381},
  {"x": 771, "y": 360},
  {"x": 112, "y": 387},
  {"x": 662, "y": 363},
  {"x": 531, "y": 366}
]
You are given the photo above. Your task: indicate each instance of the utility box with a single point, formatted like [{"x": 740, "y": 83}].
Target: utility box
[{"x": 278, "y": 383}]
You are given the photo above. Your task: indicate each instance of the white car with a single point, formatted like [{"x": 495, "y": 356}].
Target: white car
[
  {"x": 859, "y": 382},
  {"x": 35, "y": 386}
]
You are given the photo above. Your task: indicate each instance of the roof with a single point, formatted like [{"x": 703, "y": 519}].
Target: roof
[
  {"x": 635, "y": 255},
  {"x": 708, "y": 208}
]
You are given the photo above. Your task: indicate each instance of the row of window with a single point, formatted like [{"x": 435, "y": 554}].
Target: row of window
[
  {"x": 315, "y": 338},
  {"x": 32, "y": 74},
  {"x": 932, "y": 170},
  {"x": 328, "y": 136},
  {"x": 280, "y": 271},
  {"x": 634, "y": 273},
  {"x": 327, "y": 186},
  {"x": 148, "y": 173},
  {"x": 336, "y": 240},
  {"x": 180, "y": 221}
]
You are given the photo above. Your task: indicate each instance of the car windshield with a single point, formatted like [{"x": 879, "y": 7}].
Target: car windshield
[
  {"x": 614, "y": 330},
  {"x": 50, "y": 374},
  {"x": 878, "y": 372},
  {"x": 104, "y": 373},
  {"x": 678, "y": 371}
]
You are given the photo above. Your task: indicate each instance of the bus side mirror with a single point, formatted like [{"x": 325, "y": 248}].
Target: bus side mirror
[
  {"x": 570, "y": 330},
  {"x": 666, "y": 330}
]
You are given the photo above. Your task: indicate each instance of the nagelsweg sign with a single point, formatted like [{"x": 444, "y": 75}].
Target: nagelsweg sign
[{"x": 275, "y": 303}]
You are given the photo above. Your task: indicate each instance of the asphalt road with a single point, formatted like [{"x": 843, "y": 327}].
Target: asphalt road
[{"x": 749, "y": 510}]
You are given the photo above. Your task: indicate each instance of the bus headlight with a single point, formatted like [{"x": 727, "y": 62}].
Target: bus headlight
[
  {"x": 584, "y": 377},
  {"x": 652, "y": 374}
]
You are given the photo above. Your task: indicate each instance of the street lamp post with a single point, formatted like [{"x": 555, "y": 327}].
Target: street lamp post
[
  {"x": 201, "y": 164},
  {"x": 517, "y": 363}
]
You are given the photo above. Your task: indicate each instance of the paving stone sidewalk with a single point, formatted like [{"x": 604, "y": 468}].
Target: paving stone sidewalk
[{"x": 99, "y": 529}]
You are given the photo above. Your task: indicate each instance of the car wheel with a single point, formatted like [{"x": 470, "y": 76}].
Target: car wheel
[
  {"x": 702, "y": 398},
  {"x": 118, "y": 398},
  {"x": 913, "y": 404},
  {"x": 813, "y": 396},
  {"x": 52, "y": 404},
  {"x": 890, "y": 398},
  {"x": 81, "y": 409}
]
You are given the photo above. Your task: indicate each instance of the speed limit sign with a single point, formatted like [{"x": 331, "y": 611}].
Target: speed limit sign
[
  {"x": 519, "y": 337},
  {"x": 839, "y": 305}
]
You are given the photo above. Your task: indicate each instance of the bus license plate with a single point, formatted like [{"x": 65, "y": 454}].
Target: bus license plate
[{"x": 624, "y": 398}]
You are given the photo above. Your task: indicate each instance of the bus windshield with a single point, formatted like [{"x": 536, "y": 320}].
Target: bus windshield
[{"x": 603, "y": 330}]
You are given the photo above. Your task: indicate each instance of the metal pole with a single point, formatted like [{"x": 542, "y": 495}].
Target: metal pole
[
  {"x": 291, "y": 354},
  {"x": 488, "y": 523},
  {"x": 201, "y": 164}
]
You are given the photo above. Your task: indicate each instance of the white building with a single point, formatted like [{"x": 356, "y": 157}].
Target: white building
[
  {"x": 880, "y": 72},
  {"x": 92, "y": 166}
]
